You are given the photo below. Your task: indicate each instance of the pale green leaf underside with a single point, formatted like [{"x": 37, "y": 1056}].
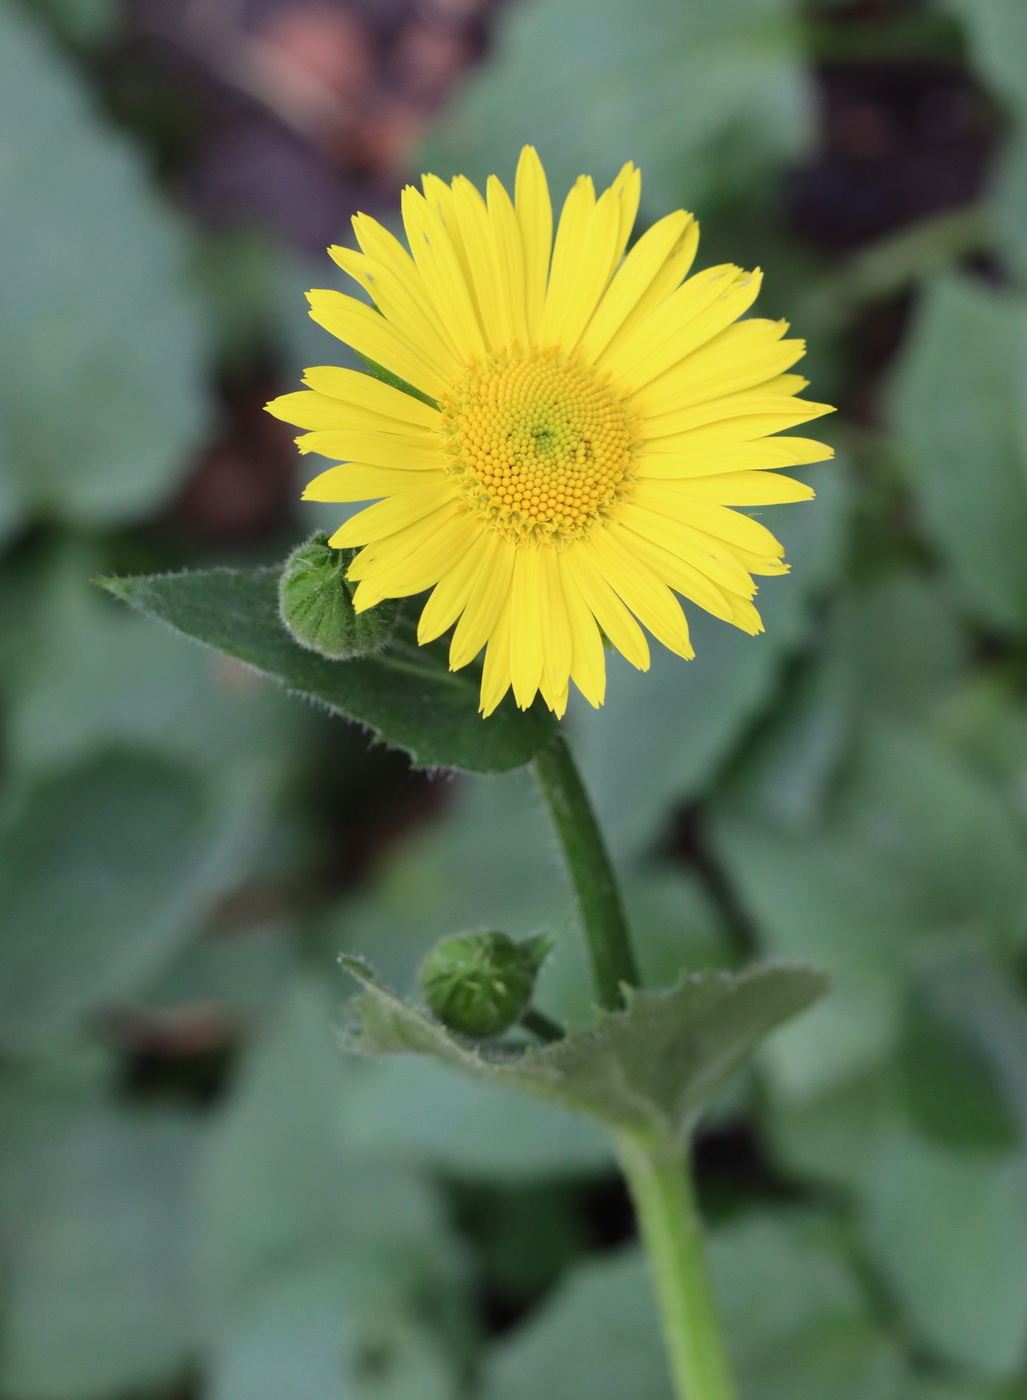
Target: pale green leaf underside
[
  {"x": 405, "y": 693},
  {"x": 650, "y": 1068}
]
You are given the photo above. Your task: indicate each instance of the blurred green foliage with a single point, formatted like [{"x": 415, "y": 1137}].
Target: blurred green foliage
[{"x": 199, "y": 1195}]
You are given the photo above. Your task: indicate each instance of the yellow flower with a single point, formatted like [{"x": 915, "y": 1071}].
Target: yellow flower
[{"x": 586, "y": 421}]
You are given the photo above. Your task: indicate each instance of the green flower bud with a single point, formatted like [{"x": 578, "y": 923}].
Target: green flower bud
[
  {"x": 315, "y": 601},
  {"x": 480, "y": 983}
]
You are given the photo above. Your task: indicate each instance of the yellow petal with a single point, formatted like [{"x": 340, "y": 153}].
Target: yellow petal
[
  {"x": 766, "y": 454},
  {"x": 353, "y": 481},
  {"x": 710, "y": 556},
  {"x": 444, "y": 278},
  {"x": 403, "y": 309},
  {"x": 387, "y": 517},
  {"x": 588, "y": 658},
  {"x": 738, "y": 358},
  {"x": 557, "y": 646},
  {"x": 596, "y": 259},
  {"x": 692, "y": 316},
  {"x": 570, "y": 233},
  {"x": 496, "y": 673},
  {"x": 526, "y": 626},
  {"x": 454, "y": 588},
  {"x": 359, "y": 390},
  {"x": 750, "y": 488},
  {"x": 690, "y": 582},
  {"x": 671, "y": 500},
  {"x": 651, "y": 601},
  {"x": 606, "y": 607},
  {"x": 663, "y": 285},
  {"x": 481, "y": 614},
  {"x": 401, "y": 451},
  {"x": 385, "y": 558},
  {"x": 422, "y": 565},
  {"x": 701, "y": 327},
  {"x": 628, "y": 188},
  {"x": 535, "y": 220},
  {"x": 482, "y": 258},
  {"x": 371, "y": 335},
  {"x": 633, "y": 278},
  {"x": 510, "y": 259}
]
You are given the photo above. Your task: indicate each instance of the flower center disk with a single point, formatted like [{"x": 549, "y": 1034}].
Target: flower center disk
[{"x": 538, "y": 445}]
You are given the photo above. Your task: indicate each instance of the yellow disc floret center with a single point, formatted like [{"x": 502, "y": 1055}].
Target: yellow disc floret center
[{"x": 539, "y": 445}]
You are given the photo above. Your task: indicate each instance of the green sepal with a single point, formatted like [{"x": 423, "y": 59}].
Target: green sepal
[
  {"x": 377, "y": 371},
  {"x": 405, "y": 694},
  {"x": 650, "y": 1068},
  {"x": 315, "y": 603}
]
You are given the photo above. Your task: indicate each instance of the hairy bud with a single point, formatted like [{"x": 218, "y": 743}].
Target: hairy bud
[
  {"x": 315, "y": 602},
  {"x": 480, "y": 983}
]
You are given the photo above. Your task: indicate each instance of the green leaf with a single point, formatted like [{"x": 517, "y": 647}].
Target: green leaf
[
  {"x": 598, "y": 1338},
  {"x": 963, "y": 1063},
  {"x": 103, "y": 871},
  {"x": 652, "y": 1067},
  {"x": 416, "y": 1110},
  {"x": 97, "y": 316},
  {"x": 947, "y": 1228},
  {"x": 917, "y": 845},
  {"x": 797, "y": 1325},
  {"x": 92, "y": 674},
  {"x": 404, "y": 694},
  {"x": 704, "y": 98},
  {"x": 303, "y": 1233},
  {"x": 95, "y": 1285},
  {"x": 958, "y": 408}
]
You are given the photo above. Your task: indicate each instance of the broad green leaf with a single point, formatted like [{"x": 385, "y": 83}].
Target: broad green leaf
[
  {"x": 830, "y": 1138},
  {"x": 85, "y": 22},
  {"x": 652, "y": 1067},
  {"x": 917, "y": 846},
  {"x": 797, "y": 1325},
  {"x": 947, "y": 1228},
  {"x": 598, "y": 1338},
  {"x": 92, "y": 674},
  {"x": 96, "y": 314},
  {"x": 416, "y": 1109},
  {"x": 95, "y": 1293},
  {"x": 964, "y": 1053},
  {"x": 404, "y": 694},
  {"x": 662, "y": 734},
  {"x": 104, "y": 870},
  {"x": 703, "y": 98},
  {"x": 958, "y": 409},
  {"x": 996, "y": 31},
  {"x": 294, "y": 1343},
  {"x": 302, "y": 1234}
]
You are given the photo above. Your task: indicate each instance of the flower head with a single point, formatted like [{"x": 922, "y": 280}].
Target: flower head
[{"x": 584, "y": 424}]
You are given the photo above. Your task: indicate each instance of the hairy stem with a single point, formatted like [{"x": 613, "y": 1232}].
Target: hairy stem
[
  {"x": 660, "y": 1181},
  {"x": 602, "y": 913}
]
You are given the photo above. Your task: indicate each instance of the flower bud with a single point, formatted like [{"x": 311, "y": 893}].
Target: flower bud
[
  {"x": 315, "y": 601},
  {"x": 480, "y": 983}
]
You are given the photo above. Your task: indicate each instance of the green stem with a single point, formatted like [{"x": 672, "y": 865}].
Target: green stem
[
  {"x": 661, "y": 1188},
  {"x": 542, "y": 1026},
  {"x": 606, "y": 929}
]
